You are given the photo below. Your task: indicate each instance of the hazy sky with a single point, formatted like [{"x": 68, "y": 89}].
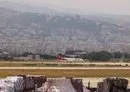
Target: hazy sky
[{"x": 95, "y": 6}]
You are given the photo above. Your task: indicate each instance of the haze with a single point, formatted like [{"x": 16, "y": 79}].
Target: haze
[{"x": 121, "y": 7}]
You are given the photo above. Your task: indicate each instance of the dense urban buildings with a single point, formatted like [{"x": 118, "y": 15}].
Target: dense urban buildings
[{"x": 47, "y": 33}]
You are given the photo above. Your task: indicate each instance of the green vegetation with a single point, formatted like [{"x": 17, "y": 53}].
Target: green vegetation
[
  {"x": 99, "y": 56},
  {"x": 106, "y": 56},
  {"x": 48, "y": 57}
]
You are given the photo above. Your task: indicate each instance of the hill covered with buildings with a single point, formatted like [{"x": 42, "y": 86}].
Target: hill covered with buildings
[{"x": 22, "y": 31}]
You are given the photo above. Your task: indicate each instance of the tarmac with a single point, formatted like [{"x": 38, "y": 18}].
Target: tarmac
[{"x": 73, "y": 68}]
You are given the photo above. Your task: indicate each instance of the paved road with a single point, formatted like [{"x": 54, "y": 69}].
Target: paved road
[
  {"x": 86, "y": 63},
  {"x": 73, "y": 68}
]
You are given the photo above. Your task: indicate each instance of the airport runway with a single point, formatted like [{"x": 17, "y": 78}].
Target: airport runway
[{"x": 69, "y": 68}]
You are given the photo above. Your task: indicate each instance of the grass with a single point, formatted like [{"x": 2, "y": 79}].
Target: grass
[
  {"x": 65, "y": 72},
  {"x": 58, "y": 64},
  {"x": 68, "y": 73}
]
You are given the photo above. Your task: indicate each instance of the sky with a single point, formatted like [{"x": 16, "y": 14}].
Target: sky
[{"x": 96, "y": 6}]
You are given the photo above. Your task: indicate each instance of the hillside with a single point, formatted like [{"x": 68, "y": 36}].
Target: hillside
[{"x": 46, "y": 33}]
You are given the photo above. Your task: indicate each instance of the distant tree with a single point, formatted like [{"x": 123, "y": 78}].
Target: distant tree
[
  {"x": 100, "y": 56},
  {"x": 25, "y": 54},
  {"x": 117, "y": 55},
  {"x": 126, "y": 55},
  {"x": 48, "y": 57}
]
